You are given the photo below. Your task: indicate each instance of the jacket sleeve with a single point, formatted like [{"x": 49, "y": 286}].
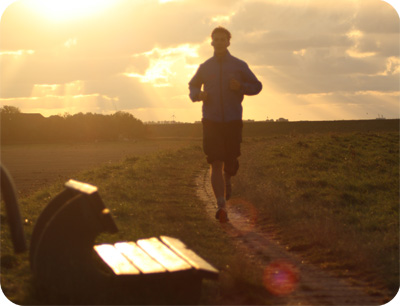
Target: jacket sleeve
[
  {"x": 251, "y": 85},
  {"x": 195, "y": 85}
]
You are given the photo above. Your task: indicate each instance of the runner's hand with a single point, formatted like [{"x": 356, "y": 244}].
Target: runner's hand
[
  {"x": 203, "y": 95},
  {"x": 234, "y": 85}
]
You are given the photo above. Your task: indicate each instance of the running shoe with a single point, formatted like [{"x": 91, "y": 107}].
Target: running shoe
[{"x": 222, "y": 215}]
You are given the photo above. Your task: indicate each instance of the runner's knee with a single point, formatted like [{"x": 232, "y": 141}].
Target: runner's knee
[
  {"x": 217, "y": 165},
  {"x": 231, "y": 167}
]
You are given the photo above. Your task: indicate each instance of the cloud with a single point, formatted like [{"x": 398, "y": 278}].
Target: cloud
[
  {"x": 377, "y": 17},
  {"x": 11, "y": 63},
  {"x": 55, "y": 68},
  {"x": 314, "y": 47},
  {"x": 129, "y": 92},
  {"x": 141, "y": 54},
  {"x": 392, "y": 66},
  {"x": 164, "y": 64},
  {"x": 50, "y": 105},
  {"x": 75, "y": 88},
  {"x": 16, "y": 53},
  {"x": 71, "y": 42}
]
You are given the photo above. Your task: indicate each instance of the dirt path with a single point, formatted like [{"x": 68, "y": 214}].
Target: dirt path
[{"x": 314, "y": 287}]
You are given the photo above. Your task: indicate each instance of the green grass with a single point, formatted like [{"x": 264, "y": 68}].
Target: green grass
[
  {"x": 148, "y": 196},
  {"x": 333, "y": 197}
]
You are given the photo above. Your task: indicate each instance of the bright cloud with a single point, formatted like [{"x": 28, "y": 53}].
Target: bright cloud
[
  {"x": 333, "y": 59},
  {"x": 392, "y": 66},
  {"x": 75, "y": 88},
  {"x": 164, "y": 64},
  {"x": 70, "y": 42},
  {"x": 67, "y": 9},
  {"x": 222, "y": 19},
  {"x": 356, "y": 36},
  {"x": 17, "y": 52}
]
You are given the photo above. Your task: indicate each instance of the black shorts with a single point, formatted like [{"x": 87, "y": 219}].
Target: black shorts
[{"x": 221, "y": 141}]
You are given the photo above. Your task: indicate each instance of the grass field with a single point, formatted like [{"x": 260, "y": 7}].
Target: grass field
[
  {"x": 333, "y": 197},
  {"x": 147, "y": 196}
]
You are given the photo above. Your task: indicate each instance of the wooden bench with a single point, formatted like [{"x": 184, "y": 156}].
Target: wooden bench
[
  {"x": 162, "y": 270},
  {"x": 66, "y": 261},
  {"x": 152, "y": 256}
]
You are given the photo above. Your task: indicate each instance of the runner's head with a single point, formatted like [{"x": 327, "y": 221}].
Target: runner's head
[
  {"x": 223, "y": 31},
  {"x": 220, "y": 40}
]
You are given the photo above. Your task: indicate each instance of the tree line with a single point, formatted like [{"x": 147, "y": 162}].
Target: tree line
[{"x": 18, "y": 127}]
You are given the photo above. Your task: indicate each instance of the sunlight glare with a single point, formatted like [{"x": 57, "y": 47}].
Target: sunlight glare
[
  {"x": 164, "y": 64},
  {"x": 68, "y": 9}
]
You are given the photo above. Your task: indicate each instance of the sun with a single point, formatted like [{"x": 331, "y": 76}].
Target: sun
[{"x": 68, "y": 9}]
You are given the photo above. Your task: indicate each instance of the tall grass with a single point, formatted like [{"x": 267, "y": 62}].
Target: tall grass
[{"x": 334, "y": 198}]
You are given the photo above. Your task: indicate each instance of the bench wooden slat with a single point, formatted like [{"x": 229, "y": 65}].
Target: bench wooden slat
[
  {"x": 191, "y": 257},
  {"x": 115, "y": 260},
  {"x": 139, "y": 258},
  {"x": 164, "y": 255},
  {"x": 81, "y": 187}
]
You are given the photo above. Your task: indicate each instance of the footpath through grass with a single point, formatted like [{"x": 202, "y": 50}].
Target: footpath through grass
[
  {"x": 333, "y": 197},
  {"x": 148, "y": 196}
]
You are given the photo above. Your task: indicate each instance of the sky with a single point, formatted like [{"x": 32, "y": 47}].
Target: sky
[{"x": 316, "y": 59}]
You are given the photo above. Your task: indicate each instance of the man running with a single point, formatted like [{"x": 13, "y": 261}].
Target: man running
[{"x": 225, "y": 80}]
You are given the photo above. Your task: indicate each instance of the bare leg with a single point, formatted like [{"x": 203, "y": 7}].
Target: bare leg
[
  {"x": 217, "y": 182},
  {"x": 228, "y": 191}
]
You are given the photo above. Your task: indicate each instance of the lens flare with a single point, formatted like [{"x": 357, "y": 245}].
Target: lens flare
[{"x": 281, "y": 277}]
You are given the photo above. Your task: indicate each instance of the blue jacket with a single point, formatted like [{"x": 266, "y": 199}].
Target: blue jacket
[{"x": 222, "y": 103}]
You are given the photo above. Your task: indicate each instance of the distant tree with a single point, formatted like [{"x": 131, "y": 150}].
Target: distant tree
[
  {"x": 67, "y": 127},
  {"x": 9, "y": 124},
  {"x": 9, "y": 110}
]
